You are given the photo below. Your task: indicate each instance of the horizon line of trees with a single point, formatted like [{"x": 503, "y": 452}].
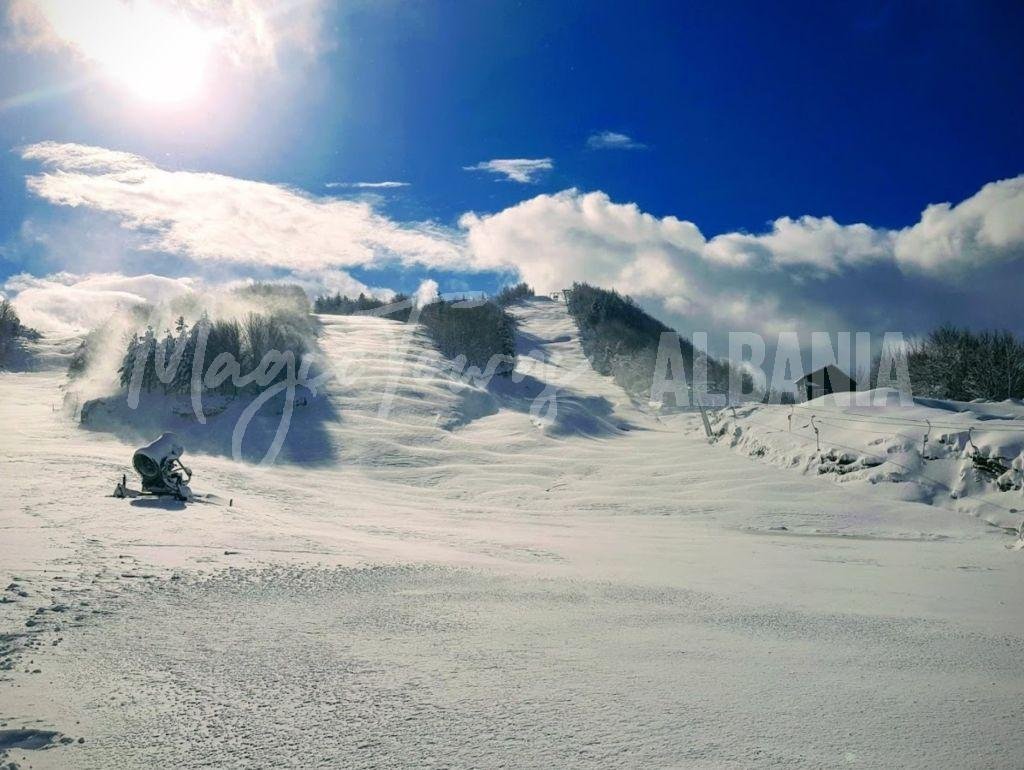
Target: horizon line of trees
[
  {"x": 484, "y": 333},
  {"x": 962, "y": 365},
  {"x": 340, "y": 304},
  {"x": 621, "y": 340},
  {"x": 479, "y": 332},
  {"x": 11, "y": 330},
  {"x": 281, "y": 322},
  {"x": 167, "y": 364},
  {"x": 511, "y": 294}
]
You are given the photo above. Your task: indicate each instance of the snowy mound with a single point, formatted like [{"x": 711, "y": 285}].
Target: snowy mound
[{"x": 966, "y": 456}]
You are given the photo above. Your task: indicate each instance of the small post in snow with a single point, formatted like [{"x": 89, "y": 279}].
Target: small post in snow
[
  {"x": 924, "y": 441},
  {"x": 703, "y": 414},
  {"x": 970, "y": 441},
  {"x": 817, "y": 434}
]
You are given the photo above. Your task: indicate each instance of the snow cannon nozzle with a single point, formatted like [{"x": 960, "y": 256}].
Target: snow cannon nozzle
[{"x": 159, "y": 465}]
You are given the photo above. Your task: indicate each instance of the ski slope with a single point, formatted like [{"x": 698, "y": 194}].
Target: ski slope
[{"x": 463, "y": 580}]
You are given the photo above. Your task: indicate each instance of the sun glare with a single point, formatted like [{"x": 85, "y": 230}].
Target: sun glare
[
  {"x": 166, "y": 62},
  {"x": 156, "y": 52}
]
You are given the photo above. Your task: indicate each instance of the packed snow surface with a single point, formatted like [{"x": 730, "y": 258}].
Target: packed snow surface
[{"x": 464, "y": 579}]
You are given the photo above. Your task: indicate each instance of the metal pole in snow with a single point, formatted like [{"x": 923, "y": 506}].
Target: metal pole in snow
[{"x": 703, "y": 414}]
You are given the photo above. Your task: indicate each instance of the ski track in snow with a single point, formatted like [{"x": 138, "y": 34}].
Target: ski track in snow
[{"x": 454, "y": 583}]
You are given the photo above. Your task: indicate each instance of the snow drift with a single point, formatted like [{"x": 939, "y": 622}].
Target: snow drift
[{"x": 964, "y": 456}]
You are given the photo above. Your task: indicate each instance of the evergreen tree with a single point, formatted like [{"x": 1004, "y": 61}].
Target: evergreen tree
[
  {"x": 147, "y": 355},
  {"x": 165, "y": 361},
  {"x": 224, "y": 337},
  {"x": 621, "y": 340},
  {"x": 183, "y": 376},
  {"x": 128, "y": 361}
]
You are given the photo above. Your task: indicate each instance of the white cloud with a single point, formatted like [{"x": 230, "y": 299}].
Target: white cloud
[
  {"x": 367, "y": 185},
  {"x": 523, "y": 170},
  {"x": 322, "y": 282},
  {"x": 818, "y": 242},
  {"x": 215, "y": 218},
  {"x": 988, "y": 227},
  {"x": 613, "y": 140},
  {"x": 555, "y": 239},
  {"x": 805, "y": 273}
]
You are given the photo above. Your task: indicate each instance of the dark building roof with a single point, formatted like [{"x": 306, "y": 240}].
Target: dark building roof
[{"x": 830, "y": 377}]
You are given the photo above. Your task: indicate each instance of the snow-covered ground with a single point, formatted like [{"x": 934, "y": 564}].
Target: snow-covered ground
[
  {"x": 465, "y": 580},
  {"x": 967, "y": 457}
]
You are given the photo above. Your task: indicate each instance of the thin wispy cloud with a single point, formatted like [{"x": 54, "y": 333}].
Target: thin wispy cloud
[
  {"x": 522, "y": 170},
  {"x": 366, "y": 185},
  {"x": 613, "y": 140},
  {"x": 217, "y": 218}
]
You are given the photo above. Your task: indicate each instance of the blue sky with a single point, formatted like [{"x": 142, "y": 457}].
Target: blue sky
[{"x": 726, "y": 116}]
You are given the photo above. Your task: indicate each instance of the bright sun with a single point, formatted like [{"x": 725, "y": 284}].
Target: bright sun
[
  {"x": 155, "y": 51},
  {"x": 166, "y": 62}
]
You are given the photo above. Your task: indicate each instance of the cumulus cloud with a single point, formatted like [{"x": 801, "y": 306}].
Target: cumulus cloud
[
  {"x": 985, "y": 229},
  {"x": 522, "y": 170},
  {"x": 988, "y": 227},
  {"x": 216, "y": 218},
  {"x": 805, "y": 273},
  {"x": 613, "y": 140},
  {"x": 367, "y": 185},
  {"x": 555, "y": 239},
  {"x": 818, "y": 242}
]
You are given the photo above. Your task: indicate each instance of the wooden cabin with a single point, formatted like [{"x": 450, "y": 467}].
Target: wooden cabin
[{"x": 821, "y": 382}]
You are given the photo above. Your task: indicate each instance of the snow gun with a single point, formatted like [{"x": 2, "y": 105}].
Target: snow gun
[{"x": 159, "y": 465}]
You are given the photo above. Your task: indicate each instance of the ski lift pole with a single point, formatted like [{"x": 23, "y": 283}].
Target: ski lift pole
[{"x": 703, "y": 413}]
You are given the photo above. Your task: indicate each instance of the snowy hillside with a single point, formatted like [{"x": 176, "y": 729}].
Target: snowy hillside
[
  {"x": 964, "y": 456},
  {"x": 475, "y": 577}
]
